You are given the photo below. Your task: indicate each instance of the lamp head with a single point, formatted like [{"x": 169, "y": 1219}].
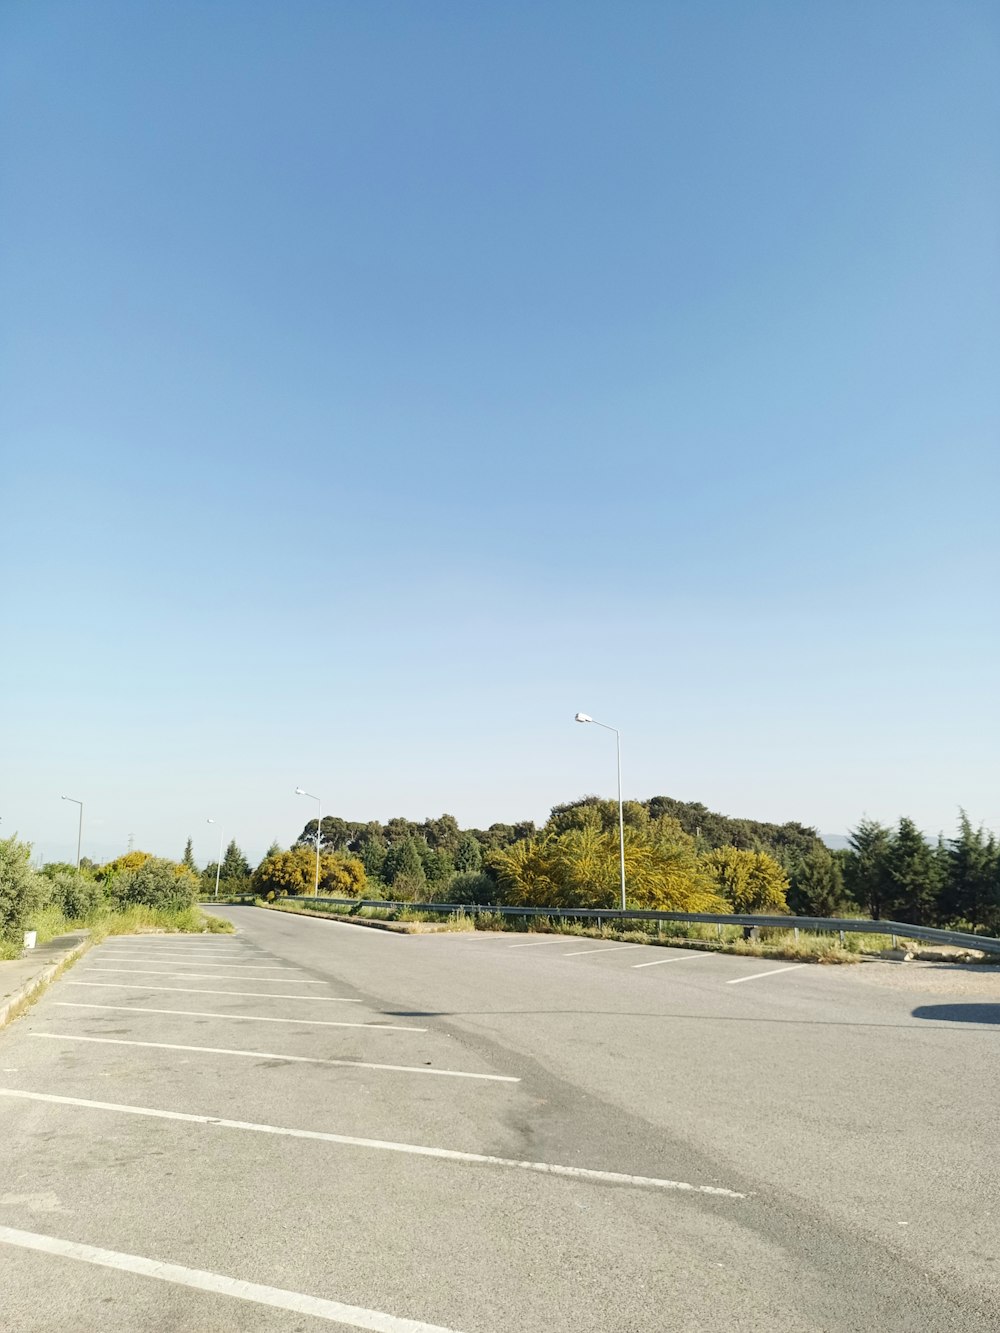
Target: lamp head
[
  {"x": 299, "y": 791},
  {"x": 583, "y": 717}
]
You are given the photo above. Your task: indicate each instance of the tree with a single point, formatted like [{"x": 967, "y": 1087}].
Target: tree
[
  {"x": 866, "y": 867},
  {"x": 235, "y": 866},
  {"x": 403, "y": 869},
  {"x": 817, "y": 885},
  {"x": 468, "y": 855},
  {"x": 293, "y": 872},
  {"x": 273, "y": 850},
  {"x": 914, "y": 878},
  {"x": 188, "y": 858},
  {"x": 972, "y": 892},
  {"x": 156, "y": 882},
  {"x": 22, "y": 891},
  {"x": 748, "y": 881},
  {"x": 580, "y": 868}
]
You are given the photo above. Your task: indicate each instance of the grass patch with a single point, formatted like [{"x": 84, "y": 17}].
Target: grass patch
[{"x": 49, "y": 922}]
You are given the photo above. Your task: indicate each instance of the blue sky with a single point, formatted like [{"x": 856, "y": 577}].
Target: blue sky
[{"x": 382, "y": 383}]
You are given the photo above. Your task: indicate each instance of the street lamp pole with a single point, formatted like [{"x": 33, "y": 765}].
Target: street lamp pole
[
  {"x": 218, "y": 864},
  {"x": 319, "y": 829},
  {"x": 79, "y": 827},
  {"x": 585, "y": 717}
]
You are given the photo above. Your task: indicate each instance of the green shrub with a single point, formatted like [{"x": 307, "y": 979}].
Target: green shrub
[
  {"x": 22, "y": 891},
  {"x": 472, "y": 886},
  {"x": 75, "y": 895},
  {"x": 155, "y": 883}
]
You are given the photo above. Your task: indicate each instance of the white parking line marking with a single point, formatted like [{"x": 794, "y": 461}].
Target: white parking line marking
[
  {"x": 689, "y": 958},
  {"x": 182, "y": 962},
  {"x": 275, "y": 1055},
  {"x": 198, "y": 990},
  {"x": 383, "y": 1145},
  {"x": 317, "y": 1306},
  {"x": 241, "y": 1018},
  {"x": 201, "y": 976},
  {"x": 578, "y": 953},
  {"x": 536, "y": 944},
  {"x": 772, "y": 973}
]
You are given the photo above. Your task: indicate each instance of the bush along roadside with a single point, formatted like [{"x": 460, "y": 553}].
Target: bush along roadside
[{"x": 134, "y": 894}]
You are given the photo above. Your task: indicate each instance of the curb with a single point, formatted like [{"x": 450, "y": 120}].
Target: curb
[
  {"x": 21, "y": 998},
  {"x": 394, "y": 927}
]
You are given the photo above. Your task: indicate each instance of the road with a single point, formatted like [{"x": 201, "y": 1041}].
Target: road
[{"x": 311, "y": 1125}]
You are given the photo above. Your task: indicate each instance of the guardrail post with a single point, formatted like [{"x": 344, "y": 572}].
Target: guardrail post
[
  {"x": 718, "y": 929},
  {"x": 895, "y": 942},
  {"x": 843, "y": 939},
  {"x": 795, "y": 932}
]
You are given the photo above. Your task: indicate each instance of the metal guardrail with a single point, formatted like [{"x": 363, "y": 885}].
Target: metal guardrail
[{"x": 822, "y": 924}]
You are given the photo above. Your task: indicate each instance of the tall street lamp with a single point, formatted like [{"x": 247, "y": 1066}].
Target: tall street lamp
[
  {"x": 585, "y": 717},
  {"x": 79, "y": 827},
  {"x": 218, "y": 864},
  {"x": 319, "y": 826}
]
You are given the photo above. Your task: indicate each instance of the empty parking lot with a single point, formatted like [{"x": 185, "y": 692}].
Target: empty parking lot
[{"x": 311, "y": 1123}]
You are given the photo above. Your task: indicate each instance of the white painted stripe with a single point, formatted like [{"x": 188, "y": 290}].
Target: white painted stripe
[
  {"x": 772, "y": 973},
  {"x": 274, "y": 1055},
  {"x": 537, "y": 943},
  {"x": 688, "y": 958},
  {"x": 202, "y": 976},
  {"x": 317, "y": 1306},
  {"x": 578, "y": 953},
  {"x": 383, "y": 1145},
  {"x": 183, "y": 962},
  {"x": 241, "y": 1018},
  {"x": 199, "y": 990}
]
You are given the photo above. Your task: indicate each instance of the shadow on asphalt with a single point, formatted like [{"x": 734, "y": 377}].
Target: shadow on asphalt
[
  {"x": 950, "y": 1012},
  {"x": 959, "y": 1013}
]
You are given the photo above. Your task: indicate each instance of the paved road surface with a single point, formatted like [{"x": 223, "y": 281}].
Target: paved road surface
[{"x": 201, "y": 1135}]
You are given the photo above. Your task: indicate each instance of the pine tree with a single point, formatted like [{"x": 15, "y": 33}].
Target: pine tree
[
  {"x": 235, "y": 866},
  {"x": 188, "y": 858},
  {"x": 972, "y": 895},
  {"x": 866, "y": 867},
  {"x": 913, "y": 875}
]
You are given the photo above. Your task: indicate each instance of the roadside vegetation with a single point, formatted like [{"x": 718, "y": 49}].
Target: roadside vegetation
[{"x": 136, "y": 892}]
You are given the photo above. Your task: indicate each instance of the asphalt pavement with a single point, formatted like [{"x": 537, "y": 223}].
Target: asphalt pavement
[{"x": 312, "y": 1125}]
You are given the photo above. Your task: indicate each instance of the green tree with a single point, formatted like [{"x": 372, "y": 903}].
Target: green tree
[
  {"x": 817, "y": 885},
  {"x": 972, "y": 892},
  {"x": 748, "y": 881},
  {"x": 22, "y": 891},
  {"x": 155, "y": 882},
  {"x": 468, "y": 855},
  {"x": 866, "y": 867},
  {"x": 235, "y": 867},
  {"x": 188, "y": 858},
  {"x": 403, "y": 869},
  {"x": 913, "y": 873}
]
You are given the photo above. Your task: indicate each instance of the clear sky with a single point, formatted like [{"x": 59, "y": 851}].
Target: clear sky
[{"x": 383, "y": 382}]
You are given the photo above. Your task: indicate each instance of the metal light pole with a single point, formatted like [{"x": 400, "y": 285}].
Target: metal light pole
[
  {"x": 319, "y": 828},
  {"x": 585, "y": 717},
  {"x": 218, "y": 864},
  {"x": 79, "y": 827}
]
